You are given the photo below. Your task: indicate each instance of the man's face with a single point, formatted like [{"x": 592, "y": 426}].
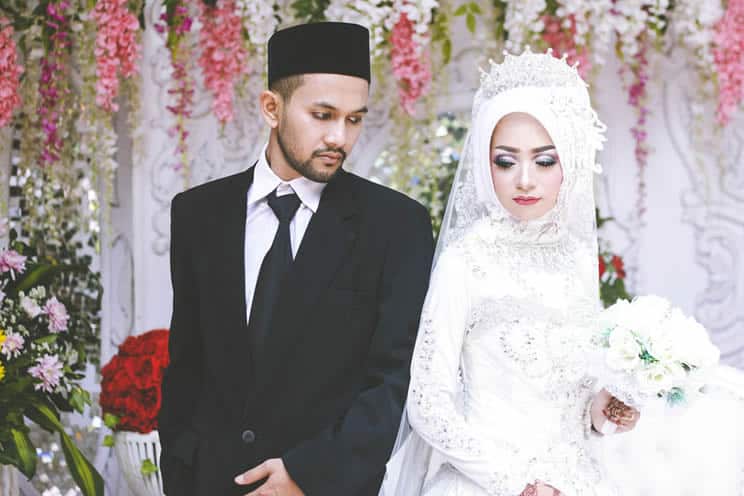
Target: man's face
[{"x": 320, "y": 123}]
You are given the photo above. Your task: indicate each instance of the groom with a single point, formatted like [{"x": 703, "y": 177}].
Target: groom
[{"x": 297, "y": 293}]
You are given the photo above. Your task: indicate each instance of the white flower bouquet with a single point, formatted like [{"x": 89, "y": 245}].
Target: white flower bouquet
[{"x": 653, "y": 350}]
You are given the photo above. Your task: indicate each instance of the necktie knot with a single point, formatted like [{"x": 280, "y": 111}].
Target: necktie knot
[{"x": 284, "y": 206}]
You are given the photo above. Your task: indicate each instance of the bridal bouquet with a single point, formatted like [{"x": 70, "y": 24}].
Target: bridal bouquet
[{"x": 652, "y": 350}]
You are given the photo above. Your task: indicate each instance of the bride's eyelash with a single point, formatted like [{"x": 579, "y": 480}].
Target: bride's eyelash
[
  {"x": 504, "y": 161},
  {"x": 546, "y": 161}
]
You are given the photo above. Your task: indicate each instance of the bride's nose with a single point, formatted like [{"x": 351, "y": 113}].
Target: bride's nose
[{"x": 526, "y": 180}]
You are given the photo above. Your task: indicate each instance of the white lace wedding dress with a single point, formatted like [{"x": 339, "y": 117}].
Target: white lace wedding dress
[
  {"x": 500, "y": 385},
  {"x": 503, "y": 369}
]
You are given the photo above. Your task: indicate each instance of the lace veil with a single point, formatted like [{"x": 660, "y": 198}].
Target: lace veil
[{"x": 553, "y": 92}]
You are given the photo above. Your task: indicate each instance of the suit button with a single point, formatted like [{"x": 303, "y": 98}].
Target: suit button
[{"x": 248, "y": 436}]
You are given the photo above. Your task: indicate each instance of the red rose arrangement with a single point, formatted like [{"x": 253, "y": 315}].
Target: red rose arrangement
[
  {"x": 130, "y": 388},
  {"x": 611, "y": 279}
]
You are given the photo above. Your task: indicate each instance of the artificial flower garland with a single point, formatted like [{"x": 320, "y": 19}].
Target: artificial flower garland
[
  {"x": 223, "y": 55},
  {"x": 116, "y": 50},
  {"x": 10, "y": 73}
]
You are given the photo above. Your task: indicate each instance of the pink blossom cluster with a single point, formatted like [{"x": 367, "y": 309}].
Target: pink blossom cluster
[
  {"x": 10, "y": 73},
  {"x": 12, "y": 345},
  {"x": 57, "y": 314},
  {"x": 728, "y": 56},
  {"x": 116, "y": 49},
  {"x": 48, "y": 370},
  {"x": 52, "y": 66},
  {"x": 411, "y": 69},
  {"x": 12, "y": 260},
  {"x": 224, "y": 58},
  {"x": 563, "y": 41}
]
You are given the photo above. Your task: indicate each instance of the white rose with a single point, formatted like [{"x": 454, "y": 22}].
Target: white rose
[
  {"x": 624, "y": 351},
  {"x": 659, "y": 377}
]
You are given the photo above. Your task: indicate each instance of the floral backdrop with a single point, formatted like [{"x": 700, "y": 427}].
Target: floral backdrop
[
  {"x": 68, "y": 68},
  {"x": 67, "y": 65}
]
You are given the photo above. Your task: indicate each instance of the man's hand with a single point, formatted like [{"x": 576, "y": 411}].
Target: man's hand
[{"x": 279, "y": 483}]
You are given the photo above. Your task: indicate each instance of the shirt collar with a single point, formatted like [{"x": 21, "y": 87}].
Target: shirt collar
[{"x": 265, "y": 181}]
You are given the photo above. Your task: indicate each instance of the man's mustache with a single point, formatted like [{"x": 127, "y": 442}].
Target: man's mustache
[{"x": 339, "y": 151}]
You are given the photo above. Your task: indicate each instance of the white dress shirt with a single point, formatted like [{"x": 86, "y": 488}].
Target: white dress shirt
[{"x": 261, "y": 222}]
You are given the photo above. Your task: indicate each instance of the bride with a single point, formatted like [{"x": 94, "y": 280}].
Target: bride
[{"x": 503, "y": 397}]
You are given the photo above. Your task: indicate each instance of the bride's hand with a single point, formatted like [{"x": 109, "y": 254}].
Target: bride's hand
[
  {"x": 607, "y": 408},
  {"x": 540, "y": 489}
]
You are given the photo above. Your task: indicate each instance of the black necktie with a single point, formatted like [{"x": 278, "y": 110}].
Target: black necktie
[{"x": 274, "y": 267}]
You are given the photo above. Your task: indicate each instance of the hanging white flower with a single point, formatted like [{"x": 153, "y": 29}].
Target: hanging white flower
[
  {"x": 522, "y": 21},
  {"x": 369, "y": 13},
  {"x": 259, "y": 21}
]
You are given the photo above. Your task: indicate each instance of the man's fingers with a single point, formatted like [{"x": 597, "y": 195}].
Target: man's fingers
[
  {"x": 253, "y": 475},
  {"x": 264, "y": 490}
]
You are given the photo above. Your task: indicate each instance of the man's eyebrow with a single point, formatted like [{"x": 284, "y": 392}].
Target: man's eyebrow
[{"x": 328, "y": 106}]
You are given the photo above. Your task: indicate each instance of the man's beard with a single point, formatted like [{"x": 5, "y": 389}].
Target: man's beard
[{"x": 306, "y": 167}]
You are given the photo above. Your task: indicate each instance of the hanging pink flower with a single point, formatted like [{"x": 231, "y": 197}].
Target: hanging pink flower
[
  {"x": 178, "y": 26},
  {"x": 52, "y": 73},
  {"x": 57, "y": 314},
  {"x": 411, "y": 64},
  {"x": 223, "y": 58},
  {"x": 10, "y": 73},
  {"x": 563, "y": 42},
  {"x": 728, "y": 55},
  {"x": 48, "y": 370},
  {"x": 637, "y": 98},
  {"x": 116, "y": 49}
]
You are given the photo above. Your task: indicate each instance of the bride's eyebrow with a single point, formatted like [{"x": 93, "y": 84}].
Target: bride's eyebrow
[{"x": 539, "y": 149}]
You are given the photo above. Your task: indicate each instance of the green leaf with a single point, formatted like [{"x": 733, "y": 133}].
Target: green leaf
[
  {"x": 79, "y": 397},
  {"x": 475, "y": 8},
  {"x": 51, "y": 338},
  {"x": 108, "y": 441},
  {"x": 148, "y": 468},
  {"x": 86, "y": 476},
  {"x": 110, "y": 420},
  {"x": 34, "y": 277},
  {"x": 23, "y": 451},
  {"x": 470, "y": 21},
  {"x": 447, "y": 51},
  {"x": 83, "y": 472},
  {"x": 461, "y": 10}
]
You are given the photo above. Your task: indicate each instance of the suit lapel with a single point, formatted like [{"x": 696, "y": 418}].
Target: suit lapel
[
  {"x": 324, "y": 247},
  {"x": 230, "y": 248}
]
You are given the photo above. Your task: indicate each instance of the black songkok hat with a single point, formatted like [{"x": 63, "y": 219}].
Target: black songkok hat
[{"x": 321, "y": 47}]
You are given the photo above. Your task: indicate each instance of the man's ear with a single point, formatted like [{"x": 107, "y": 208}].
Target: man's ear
[{"x": 270, "y": 104}]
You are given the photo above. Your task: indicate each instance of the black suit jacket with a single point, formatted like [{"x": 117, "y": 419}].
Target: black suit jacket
[{"x": 326, "y": 392}]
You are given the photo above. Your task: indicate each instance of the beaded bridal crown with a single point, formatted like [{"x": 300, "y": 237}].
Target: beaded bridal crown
[{"x": 529, "y": 69}]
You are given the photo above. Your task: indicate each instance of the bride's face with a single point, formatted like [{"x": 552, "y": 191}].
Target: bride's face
[{"x": 525, "y": 167}]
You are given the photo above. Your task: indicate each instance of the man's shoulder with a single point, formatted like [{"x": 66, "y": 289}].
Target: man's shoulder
[
  {"x": 383, "y": 198},
  {"x": 214, "y": 190}
]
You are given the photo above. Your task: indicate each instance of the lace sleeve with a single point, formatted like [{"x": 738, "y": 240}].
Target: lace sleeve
[{"x": 499, "y": 467}]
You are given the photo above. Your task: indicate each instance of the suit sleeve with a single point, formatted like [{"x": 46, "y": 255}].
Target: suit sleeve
[
  {"x": 181, "y": 379},
  {"x": 350, "y": 454}
]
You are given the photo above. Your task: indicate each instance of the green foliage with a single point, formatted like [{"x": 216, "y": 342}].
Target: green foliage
[
  {"x": 469, "y": 10},
  {"x": 440, "y": 34},
  {"x": 310, "y": 10},
  {"x": 148, "y": 467},
  {"x": 110, "y": 421}
]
